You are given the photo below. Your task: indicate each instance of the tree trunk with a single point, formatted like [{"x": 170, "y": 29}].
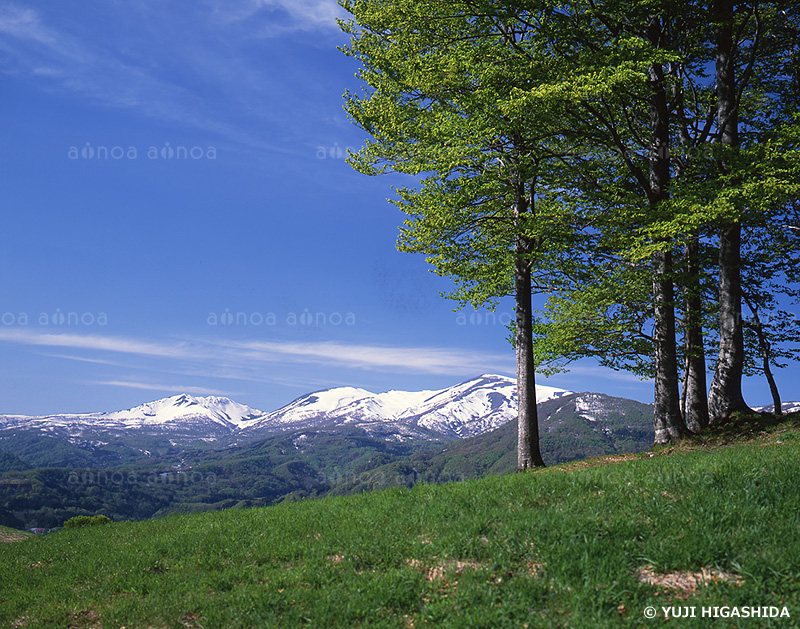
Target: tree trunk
[
  {"x": 528, "y": 453},
  {"x": 725, "y": 396},
  {"x": 667, "y": 419},
  {"x": 773, "y": 386},
  {"x": 766, "y": 355},
  {"x": 695, "y": 395}
]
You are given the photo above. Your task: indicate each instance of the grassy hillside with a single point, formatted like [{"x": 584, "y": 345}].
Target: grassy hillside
[
  {"x": 590, "y": 544},
  {"x": 12, "y": 535}
]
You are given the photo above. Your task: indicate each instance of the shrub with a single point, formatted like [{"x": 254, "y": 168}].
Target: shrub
[{"x": 86, "y": 520}]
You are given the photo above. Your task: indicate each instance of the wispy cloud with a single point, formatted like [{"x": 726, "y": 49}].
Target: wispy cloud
[
  {"x": 282, "y": 16},
  {"x": 145, "y": 69},
  {"x": 239, "y": 357},
  {"x": 192, "y": 390},
  {"x": 24, "y": 24},
  {"x": 310, "y": 12},
  {"x": 415, "y": 359},
  {"x": 84, "y": 359},
  {"x": 101, "y": 343}
]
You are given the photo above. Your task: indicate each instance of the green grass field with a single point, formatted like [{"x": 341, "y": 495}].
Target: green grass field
[
  {"x": 12, "y": 535},
  {"x": 593, "y": 544}
]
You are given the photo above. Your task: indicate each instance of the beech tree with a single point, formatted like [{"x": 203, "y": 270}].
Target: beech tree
[
  {"x": 440, "y": 82},
  {"x": 582, "y": 151},
  {"x": 715, "y": 181},
  {"x": 472, "y": 97}
]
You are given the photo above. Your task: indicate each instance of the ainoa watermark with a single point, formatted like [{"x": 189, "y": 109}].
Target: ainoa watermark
[
  {"x": 334, "y": 152},
  {"x": 105, "y": 477},
  {"x": 484, "y": 317},
  {"x": 58, "y": 318},
  {"x": 307, "y": 318},
  {"x": 166, "y": 151}
]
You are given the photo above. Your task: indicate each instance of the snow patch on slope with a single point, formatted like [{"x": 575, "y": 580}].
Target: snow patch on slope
[{"x": 178, "y": 408}]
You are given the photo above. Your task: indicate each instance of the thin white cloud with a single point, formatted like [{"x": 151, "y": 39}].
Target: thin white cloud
[
  {"x": 23, "y": 23},
  {"x": 242, "y": 372},
  {"x": 46, "y": 44},
  {"x": 298, "y": 15},
  {"x": 83, "y": 359},
  {"x": 310, "y": 13},
  {"x": 248, "y": 356},
  {"x": 192, "y": 390},
  {"x": 417, "y": 359},
  {"x": 99, "y": 343}
]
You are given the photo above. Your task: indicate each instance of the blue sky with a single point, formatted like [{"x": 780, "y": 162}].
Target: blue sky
[{"x": 178, "y": 217}]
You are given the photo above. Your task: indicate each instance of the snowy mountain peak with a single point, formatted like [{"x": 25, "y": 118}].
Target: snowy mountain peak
[
  {"x": 220, "y": 410},
  {"x": 464, "y": 410}
]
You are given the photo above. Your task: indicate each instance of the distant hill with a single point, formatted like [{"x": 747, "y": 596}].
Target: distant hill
[
  {"x": 573, "y": 426},
  {"x": 158, "y": 458},
  {"x": 786, "y": 407}
]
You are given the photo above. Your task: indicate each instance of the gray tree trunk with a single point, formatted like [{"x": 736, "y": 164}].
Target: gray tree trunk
[
  {"x": 725, "y": 396},
  {"x": 765, "y": 349},
  {"x": 763, "y": 344},
  {"x": 528, "y": 453},
  {"x": 695, "y": 395},
  {"x": 773, "y": 386},
  {"x": 667, "y": 419}
]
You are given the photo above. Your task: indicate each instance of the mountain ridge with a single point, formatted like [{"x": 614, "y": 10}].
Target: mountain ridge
[
  {"x": 465, "y": 409},
  {"x": 54, "y": 472}
]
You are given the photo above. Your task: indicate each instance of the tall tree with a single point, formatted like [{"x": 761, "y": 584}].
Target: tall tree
[
  {"x": 669, "y": 424},
  {"x": 705, "y": 196},
  {"x": 756, "y": 97},
  {"x": 629, "y": 128},
  {"x": 441, "y": 84},
  {"x": 725, "y": 396},
  {"x": 694, "y": 400}
]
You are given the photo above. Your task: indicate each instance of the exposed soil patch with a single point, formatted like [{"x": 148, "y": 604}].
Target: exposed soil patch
[
  {"x": 335, "y": 559},
  {"x": 10, "y": 535},
  {"x": 86, "y": 618},
  {"x": 619, "y": 458},
  {"x": 685, "y": 582},
  {"x": 437, "y": 571}
]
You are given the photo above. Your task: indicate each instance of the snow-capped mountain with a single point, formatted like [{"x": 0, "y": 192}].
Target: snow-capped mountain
[
  {"x": 787, "y": 407},
  {"x": 464, "y": 410},
  {"x": 176, "y": 416},
  {"x": 186, "y": 408}
]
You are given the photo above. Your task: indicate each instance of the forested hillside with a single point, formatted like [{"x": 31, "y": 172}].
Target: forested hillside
[{"x": 304, "y": 463}]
